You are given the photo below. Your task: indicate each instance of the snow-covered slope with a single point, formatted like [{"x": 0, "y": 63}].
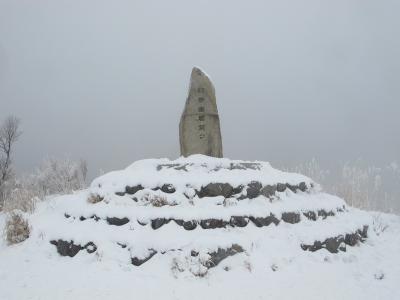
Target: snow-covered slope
[{"x": 202, "y": 227}]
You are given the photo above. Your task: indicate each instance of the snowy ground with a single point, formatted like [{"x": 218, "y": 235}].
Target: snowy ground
[
  {"x": 272, "y": 266},
  {"x": 273, "y": 270}
]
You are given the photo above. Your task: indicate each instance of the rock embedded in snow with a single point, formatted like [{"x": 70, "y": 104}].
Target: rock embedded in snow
[
  {"x": 199, "y": 128},
  {"x": 215, "y": 207}
]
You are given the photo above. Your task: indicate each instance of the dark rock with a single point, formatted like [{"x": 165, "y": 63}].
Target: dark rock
[
  {"x": 179, "y": 222},
  {"x": 213, "y": 223},
  {"x": 281, "y": 187},
  {"x": 260, "y": 221},
  {"x": 303, "y": 186},
  {"x": 120, "y": 193},
  {"x": 194, "y": 253},
  {"x": 293, "y": 188},
  {"x": 335, "y": 243},
  {"x": 316, "y": 246},
  {"x": 117, "y": 221},
  {"x": 96, "y": 218},
  {"x": 168, "y": 188},
  {"x": 268, "y": 191},
  {"x": 253, "y": 189},
  {"x": 216, "y": 189},
  {"x": 65, "y": 248},
  {"x": 82, "y": 218},
  {"x": 364, "y": 232},
  {"x": 310, "y": 215},
  {"x": 273, "y": 219},
  {"x": 221, "y": 254},
  {"x": 351, "y": 239},
  {"x": 237, "y": 221},
  {"x": 157, "y": 223},
  {"x": 133, "y": 189},
  {"x": 90, "y": 247},
  {"x": 291, "y": 217},
  {"x": 324, "y": 214},
  {"x": 67, "y": 215},
  {"x": 189, "y": 225},
  {"x": 332, "y": 244},
  {"x": 140, "y": 261},
  {"x": 238, "y": 189}
]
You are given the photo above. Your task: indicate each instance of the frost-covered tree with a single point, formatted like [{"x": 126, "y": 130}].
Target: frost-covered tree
[
  {"x": 9, "y": 134},
  {"x": 59, "y": 177}
]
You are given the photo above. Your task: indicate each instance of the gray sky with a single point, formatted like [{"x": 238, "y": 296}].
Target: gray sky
[{"x": 107, "y": 80}]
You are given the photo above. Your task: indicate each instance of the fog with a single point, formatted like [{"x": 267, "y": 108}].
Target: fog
[{"x": 107, "y": 80}]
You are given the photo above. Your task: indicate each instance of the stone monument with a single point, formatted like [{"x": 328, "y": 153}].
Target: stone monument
[{"x": 199, "y": 128}]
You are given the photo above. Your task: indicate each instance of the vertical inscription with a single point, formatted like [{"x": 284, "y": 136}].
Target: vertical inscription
[{"x": 201, "y": 118}]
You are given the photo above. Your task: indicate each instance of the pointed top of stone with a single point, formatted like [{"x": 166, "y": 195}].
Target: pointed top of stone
[{"x": 200, "y": 79}]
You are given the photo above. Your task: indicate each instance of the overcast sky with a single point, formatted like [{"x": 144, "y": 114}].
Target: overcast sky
[{"x": 107, "y": 80}]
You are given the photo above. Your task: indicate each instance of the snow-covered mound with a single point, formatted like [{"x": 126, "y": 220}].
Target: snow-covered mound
[
  {"x": 201, "y": 209},
  {"x": 198, "y": 228}
]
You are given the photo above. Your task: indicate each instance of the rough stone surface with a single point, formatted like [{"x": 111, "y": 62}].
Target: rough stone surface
[
  {"x": 238, "y": 221},
  {"x": 168, "y": 188},
  {"x": 291, "y": 217},
  {"x": 260, "y": 221},
  {"x": 65, "y": 248},
  {"x": 303, "y": 186},
  {"x": 199, "y": 128},
  {"x": 268, "y": 190},
  {"x": 216, "y": 189},
  {"x": 213, "y": 223},
  {"x": 332, "y": 244},
  {"x": 338, "y": 243},
  {"x": 157, "y": 223},
  {"x": 140, "y": 261},
  {"x": 281, "y": 187},
  {"x": 219, "y": 255},
  {"x": 117, "y": 221},
  {"x": 310, "y": 215},
  {"x": 133, "y": 189},
  {"x": 254, "y": 189}
]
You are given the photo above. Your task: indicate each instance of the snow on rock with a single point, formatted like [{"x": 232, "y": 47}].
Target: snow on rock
[
  {"x": 195, "y": 171},
  {"x": 199, "y": 222}
]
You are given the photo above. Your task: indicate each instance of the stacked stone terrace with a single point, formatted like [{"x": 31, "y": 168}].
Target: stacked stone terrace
[{"x": 204, "y": 209}]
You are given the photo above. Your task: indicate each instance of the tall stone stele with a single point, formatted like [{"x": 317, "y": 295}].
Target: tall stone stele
[{"x": 199, "y": 129}]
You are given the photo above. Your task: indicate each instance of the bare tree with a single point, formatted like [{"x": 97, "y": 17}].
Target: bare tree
[{"x": 9, "y": 134}]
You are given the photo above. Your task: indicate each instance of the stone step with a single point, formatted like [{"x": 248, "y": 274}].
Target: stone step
[
  {"x": 333, "y": 244},
  {"x": 212, "y": 223},
  {"x": 249, "y": 191}
]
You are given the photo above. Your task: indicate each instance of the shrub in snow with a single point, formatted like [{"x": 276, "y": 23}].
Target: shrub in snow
[
  {"x": 20, "y": 198},
  {"x": 195, "y": 265},
  {"x": 156, "y": 200},
  {"x": 378, "y": 224},
  {"x": 16, "y": 229},
  {"x": 94, "y": 198}
]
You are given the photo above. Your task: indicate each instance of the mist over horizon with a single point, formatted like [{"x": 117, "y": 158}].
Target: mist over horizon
[{"x": 107, "y": 82}]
